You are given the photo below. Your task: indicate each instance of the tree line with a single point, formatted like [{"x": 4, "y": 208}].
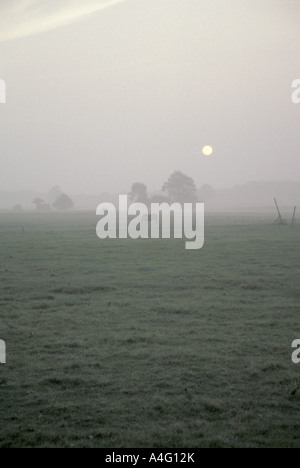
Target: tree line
[{"x": 179, "y": 188}]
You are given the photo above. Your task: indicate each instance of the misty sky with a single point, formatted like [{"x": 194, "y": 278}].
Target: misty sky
[{"x": 101, "y": 94}]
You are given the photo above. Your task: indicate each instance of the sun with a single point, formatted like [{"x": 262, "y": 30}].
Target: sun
[{"x": 207, "y": 150}]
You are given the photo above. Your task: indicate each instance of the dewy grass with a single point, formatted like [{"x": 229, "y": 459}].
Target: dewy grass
[{"x": 124, "y": 343}]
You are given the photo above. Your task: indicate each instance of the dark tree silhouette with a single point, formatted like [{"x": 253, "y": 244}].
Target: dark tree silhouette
[
  {"x": 38, "y": 202},
  {"x": 180, "y": 188},
  {"x": 63, "y": 203},
  {"x": 139, "y": 193},
  {"x": 41, "y": 205}
]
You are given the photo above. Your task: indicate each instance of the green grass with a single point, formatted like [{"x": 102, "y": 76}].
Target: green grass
[{"x": 144, "y": 344}]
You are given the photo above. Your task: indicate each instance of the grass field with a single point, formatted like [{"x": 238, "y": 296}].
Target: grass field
[{"x": 144, "y": 344}]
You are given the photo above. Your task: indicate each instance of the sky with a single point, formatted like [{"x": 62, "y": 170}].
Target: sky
[{"x": 102, "y": 94}]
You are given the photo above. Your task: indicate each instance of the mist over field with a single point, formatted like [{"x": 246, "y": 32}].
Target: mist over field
[{"x": 255, "y": 196}]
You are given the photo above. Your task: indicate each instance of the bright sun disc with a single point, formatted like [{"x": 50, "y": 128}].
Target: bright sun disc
[{"x": 207, "y": 151}]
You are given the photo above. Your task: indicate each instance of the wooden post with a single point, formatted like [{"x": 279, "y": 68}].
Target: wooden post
[
  {"x": 294, "y": 216},
  {"x": 279, "y": 219}
]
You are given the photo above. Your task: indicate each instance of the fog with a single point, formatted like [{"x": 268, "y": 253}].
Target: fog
[{"x": 101, "y": 94}]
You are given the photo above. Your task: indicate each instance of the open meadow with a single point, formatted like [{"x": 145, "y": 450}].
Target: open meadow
[{"x": 144, "y": 344}]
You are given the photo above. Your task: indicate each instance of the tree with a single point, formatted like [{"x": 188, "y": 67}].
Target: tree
[
  {"x": 63, "y": 203},
  {"x": 139, "y": 193},
  {"x": 180, "y": 188},
  {"x": 38, "y": 202},
  {"x": 41, "y": 205}
]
